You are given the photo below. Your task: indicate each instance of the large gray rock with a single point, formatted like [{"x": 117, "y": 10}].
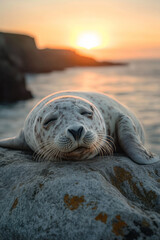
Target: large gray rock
[{"x": 99, "y": 199}]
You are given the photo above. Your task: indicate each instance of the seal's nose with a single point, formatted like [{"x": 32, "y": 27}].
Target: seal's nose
[{"x": 76, "y": 133}]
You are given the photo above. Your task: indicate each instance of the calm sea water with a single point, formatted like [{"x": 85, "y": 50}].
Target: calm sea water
[{"x": 136, "y": 85}]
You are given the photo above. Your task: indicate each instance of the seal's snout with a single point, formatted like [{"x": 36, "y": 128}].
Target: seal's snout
[{"x": 76, "y": 132}]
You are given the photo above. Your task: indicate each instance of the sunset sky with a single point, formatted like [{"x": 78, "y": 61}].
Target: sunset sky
[{"x": 116, "y": 29}]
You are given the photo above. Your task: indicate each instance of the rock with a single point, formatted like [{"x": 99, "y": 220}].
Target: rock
[
  {"x": 24, "y": 52},
  {"x": 103, "y": 198},
  {"x": 12, "y": 80}
]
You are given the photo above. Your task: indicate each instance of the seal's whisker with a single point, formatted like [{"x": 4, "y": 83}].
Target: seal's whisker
[
  {"x": 38, "y": 151},
  {"x": 103, "y": 150},
  {"x": 54, "y": 155},
  {"x": 109, "y": 147},
  {"x": 103, "y": 134},
  {"x": 108, "y": 141},
  {"x": 112, "y": 144},
  {"x": 43, "y": 153},
  {"x": 99, "y": 149},
  {"x": 48, "y": 154},
  {"x": 106, "y": 147},
  {"x": 47, "y": 151},
  {"x": 106, "y": 137},
  {"x": 96, "y": 149}
]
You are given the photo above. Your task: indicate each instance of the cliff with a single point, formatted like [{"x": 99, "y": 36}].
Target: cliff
[
  {"x": 12, "y": 80},
  {"x": 23, "y": 51},
  {"x": 103, "y": 198}
]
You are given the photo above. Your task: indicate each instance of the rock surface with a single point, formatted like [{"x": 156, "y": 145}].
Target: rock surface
[{"x": 99, "y": 199}]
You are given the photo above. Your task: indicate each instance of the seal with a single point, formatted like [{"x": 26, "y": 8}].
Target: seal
[{"x": 73, "y": 125}]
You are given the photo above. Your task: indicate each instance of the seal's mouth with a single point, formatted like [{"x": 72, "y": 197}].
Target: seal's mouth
[
  {"x": 79, "y": 153},
  {"x": 78, "y": 149}
]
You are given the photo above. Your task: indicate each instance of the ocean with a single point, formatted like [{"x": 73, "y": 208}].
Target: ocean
[{"x": 136, "y": 85}]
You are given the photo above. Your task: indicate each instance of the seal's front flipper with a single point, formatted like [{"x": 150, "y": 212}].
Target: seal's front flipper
[
  {"x": 17, "y": 142},
  {"x": 131, "y": 144}
]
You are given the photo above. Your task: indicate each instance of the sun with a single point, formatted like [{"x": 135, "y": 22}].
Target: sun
[{"x": 88, "y": 40}]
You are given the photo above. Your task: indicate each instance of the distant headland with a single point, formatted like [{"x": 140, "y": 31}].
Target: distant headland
[
  {"x": 24, "y": 52},
  {"x": 19, "y": 54}
]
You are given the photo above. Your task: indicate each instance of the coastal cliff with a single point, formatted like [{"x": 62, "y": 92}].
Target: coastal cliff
[
  {"x": 12, "y": 80},
  {"x": 103, "y": 198}
]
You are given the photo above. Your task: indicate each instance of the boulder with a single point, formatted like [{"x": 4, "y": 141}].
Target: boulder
[{"x": 103, "y": 198}]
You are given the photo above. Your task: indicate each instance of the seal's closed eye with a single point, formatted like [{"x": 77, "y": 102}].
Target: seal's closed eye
[
  {"x": 87, "y": 113},
  {"x": 50, "y": 118},
  {"x": 49, "y": 121}
]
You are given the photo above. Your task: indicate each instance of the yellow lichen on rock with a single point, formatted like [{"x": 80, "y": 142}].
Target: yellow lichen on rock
[
  {"x": 101, "y": 217},
  {"x": 122, "y": 175},
  {"x": 73, "y": 202},
  {"x": 118, "y": 225}
]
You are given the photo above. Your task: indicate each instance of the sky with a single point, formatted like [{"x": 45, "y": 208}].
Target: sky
[{"x": 124, "y": 28}]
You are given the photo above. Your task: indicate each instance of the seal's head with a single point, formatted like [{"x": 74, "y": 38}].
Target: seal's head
[{"x": 69, "y": 128}]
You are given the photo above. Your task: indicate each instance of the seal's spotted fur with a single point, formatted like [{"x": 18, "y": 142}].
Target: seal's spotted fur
[{"x": 80, "y": 125}]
